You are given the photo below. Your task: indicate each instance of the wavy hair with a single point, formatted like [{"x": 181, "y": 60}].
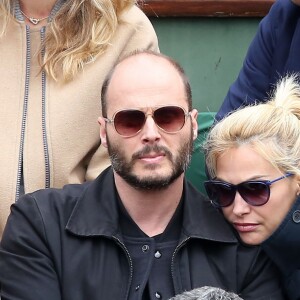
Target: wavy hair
[
  {"x": 271, "y": 128},
  {"x": 80, "y": 31},
  {"x": 5, "y": 8}
]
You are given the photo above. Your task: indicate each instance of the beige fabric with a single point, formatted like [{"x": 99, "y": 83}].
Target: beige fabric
[{"x": 72, "y": 110}]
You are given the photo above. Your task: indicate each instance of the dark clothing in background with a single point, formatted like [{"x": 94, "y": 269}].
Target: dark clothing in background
[{"x": 273, "y": 53}]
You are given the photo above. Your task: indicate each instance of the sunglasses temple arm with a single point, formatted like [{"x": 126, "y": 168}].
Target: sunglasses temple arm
[{"x": 282, "y": 177}]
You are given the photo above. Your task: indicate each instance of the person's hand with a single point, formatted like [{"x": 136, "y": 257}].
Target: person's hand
[{"x": 297, "y": 2}]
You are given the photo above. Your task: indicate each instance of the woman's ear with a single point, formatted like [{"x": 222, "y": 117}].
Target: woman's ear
[{"x": 102, "y": 123}]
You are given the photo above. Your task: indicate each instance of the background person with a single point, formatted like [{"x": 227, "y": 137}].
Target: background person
[
  {"x": 253, "y": 156},
  {"x": 272, "y": 54},
  {"x": 50, "y": 94},
  {"x": 207, "y": 293},
  {"x": 139, "y": 231}
]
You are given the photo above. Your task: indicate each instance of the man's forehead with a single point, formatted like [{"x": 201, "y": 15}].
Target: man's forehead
[{"x": 145, "y": 80}]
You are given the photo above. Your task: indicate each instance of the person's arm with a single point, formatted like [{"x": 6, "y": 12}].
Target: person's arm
[
  {"x": 27, "y": 271},
  {"x": 254, "y": 80}
]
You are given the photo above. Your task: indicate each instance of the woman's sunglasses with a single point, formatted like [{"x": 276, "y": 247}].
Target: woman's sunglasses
[
  {"x": 129, "y": 122},
  {"x": 254, "y": 192}
]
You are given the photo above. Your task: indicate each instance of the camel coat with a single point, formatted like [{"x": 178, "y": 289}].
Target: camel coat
[{"x": 48, "y": 130}]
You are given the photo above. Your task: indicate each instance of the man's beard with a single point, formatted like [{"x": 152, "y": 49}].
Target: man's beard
[{"x": 124, "y": 169}]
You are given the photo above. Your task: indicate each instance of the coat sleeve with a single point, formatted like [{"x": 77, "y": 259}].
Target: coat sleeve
[
  {"x": 254, "y": 79},
  {"x": 27, "y": 271}
]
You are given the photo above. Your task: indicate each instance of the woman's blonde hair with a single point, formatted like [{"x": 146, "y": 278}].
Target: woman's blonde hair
[
  {"x": 80, "y": 31},
  {"x": 271, "y": 128}
]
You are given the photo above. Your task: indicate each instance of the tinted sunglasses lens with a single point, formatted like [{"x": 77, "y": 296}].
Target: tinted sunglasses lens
[
  {"x": 129, "y": 122},
  {"x": 255, "y": 193},
  {"x": 220, "y": 193},
  {"x": 169, "y": 118}
]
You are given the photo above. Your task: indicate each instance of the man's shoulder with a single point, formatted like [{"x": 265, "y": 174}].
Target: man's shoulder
[
  {"x": 67, "y": 196},
  {"x": 54, "y": 199}
]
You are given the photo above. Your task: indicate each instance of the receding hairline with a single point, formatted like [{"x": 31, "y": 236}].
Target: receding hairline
[
  {"x": 159, "y": 56},
  {"x": 173, "y": 63}
]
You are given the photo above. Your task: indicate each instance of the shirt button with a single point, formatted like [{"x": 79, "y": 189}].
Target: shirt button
[
  {"x": 296, "y": 216},
  {"x": 137, "y": 287},
  {"x": 145, "y": 248},
  {"x": 157, "y": 254},
  {"x": 157, "y": 295}
]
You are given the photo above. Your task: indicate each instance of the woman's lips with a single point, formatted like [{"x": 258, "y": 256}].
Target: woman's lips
[{"x": 245, "y": 227}]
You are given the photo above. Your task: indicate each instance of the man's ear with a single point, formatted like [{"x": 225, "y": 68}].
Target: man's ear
[
  {"x": 194, "y": 116},
  {"x": 102, "y": 123}
]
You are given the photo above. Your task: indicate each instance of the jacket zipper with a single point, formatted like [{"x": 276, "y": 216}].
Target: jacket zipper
[
  {"x": 129, "y": 261},
  {"x": 24, "y": 116},
  {"x": 44, "y": 126},
  {"x": 173, "y": 258}
]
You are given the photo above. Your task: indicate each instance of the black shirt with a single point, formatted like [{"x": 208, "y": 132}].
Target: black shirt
[{"x": 151, "y": 256}]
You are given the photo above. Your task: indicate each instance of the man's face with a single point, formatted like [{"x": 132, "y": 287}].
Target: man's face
[
  {"x": 154, "y": 166},
  {"x": 152, "y": 158}
]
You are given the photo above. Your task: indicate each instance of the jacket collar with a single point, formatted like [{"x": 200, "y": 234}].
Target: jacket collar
[
  {"x": 96, "y": 213},
  {"x": 283, "y": 246}
]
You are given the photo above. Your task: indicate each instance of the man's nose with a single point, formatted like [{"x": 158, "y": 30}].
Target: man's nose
[{"x": 150, "y": 131}]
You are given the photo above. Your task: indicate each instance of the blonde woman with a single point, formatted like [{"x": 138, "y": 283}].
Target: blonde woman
[
  {"x": 253, "y": 156},
  {"x": 54, "y": 57}
]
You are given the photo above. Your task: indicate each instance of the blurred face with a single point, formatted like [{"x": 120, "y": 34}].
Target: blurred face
[
  {"x": 297, "y": 2},
  {"x": 255, "y": 223},
  {"x": 151, "y": 158}
]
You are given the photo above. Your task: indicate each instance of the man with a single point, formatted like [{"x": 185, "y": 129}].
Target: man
[{"x": 139, "y": 231}]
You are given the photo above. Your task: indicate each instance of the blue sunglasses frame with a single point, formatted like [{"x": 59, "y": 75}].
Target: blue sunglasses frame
[{"x": 254, "y": 192}]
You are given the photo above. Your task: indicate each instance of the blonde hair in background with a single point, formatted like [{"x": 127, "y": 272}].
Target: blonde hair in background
[
  {"x": 271, "y": 128},
  {"x": 4, "y": 13},
  {"x": 80, "y": 31}
]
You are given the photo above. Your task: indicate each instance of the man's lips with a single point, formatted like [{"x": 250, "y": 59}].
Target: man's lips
[
  {"x": 152, "y": 157},
  {"x": 245, "y": 227}
]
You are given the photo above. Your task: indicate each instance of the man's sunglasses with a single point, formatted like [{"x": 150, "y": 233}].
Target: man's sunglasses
[
  {"x": 254, "y": 192},
  {"x": 129, "y": 122}
]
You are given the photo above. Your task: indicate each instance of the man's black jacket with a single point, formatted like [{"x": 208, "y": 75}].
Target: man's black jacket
[{"x": 66, "y": 244}]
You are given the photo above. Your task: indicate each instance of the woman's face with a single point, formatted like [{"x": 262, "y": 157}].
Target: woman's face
[{"x": 255, "y": 223}]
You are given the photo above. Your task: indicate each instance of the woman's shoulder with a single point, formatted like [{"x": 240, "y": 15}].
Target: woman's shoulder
[
  {"x": 134, "y": 15},
  {"x": 136, "y": 28}
]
